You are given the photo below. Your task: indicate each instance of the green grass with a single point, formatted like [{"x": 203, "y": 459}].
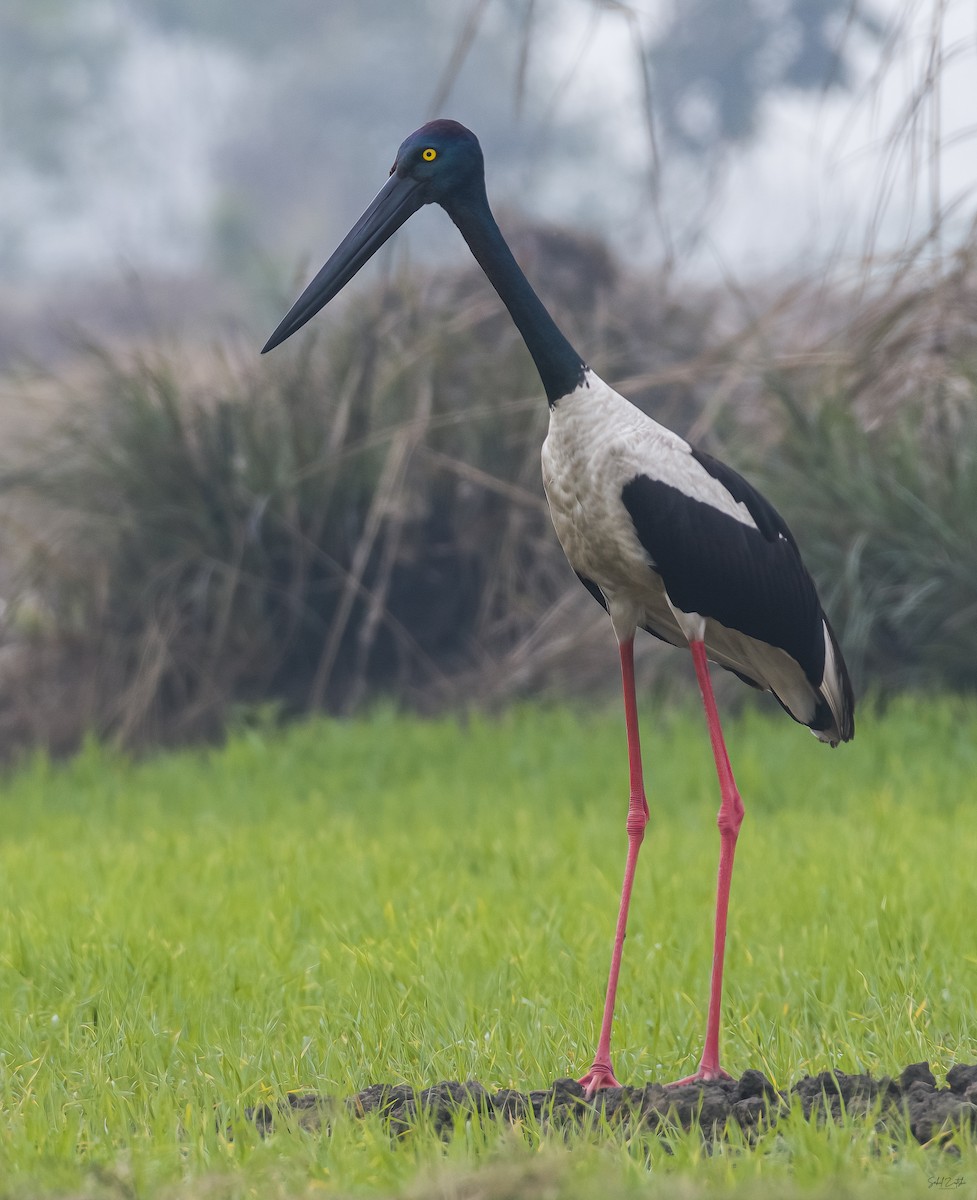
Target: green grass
[{"x": 399, "y": 900}]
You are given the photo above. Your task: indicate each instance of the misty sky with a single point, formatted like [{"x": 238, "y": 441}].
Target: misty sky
[{"x": 826, "y": 172}]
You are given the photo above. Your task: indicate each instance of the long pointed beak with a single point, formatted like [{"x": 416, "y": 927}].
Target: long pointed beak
[{"x": 393, "y": 204}]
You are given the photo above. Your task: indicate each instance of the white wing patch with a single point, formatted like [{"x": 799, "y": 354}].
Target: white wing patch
[{"x": 680, "y": 470}]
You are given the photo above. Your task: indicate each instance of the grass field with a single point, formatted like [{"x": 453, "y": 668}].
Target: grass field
[{"x": 395, "y": 900}]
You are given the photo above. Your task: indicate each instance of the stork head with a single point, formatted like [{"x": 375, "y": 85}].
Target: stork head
[
  {"x": 439, "y": 159},
  {"x": 436, "y": 164}
]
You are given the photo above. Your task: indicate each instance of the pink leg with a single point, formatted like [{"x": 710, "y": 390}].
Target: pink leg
[
  {"x": 729, "y": 820},
  {"x": 600, "y": 1074}
]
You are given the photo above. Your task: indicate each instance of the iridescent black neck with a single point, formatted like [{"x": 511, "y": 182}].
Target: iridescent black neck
[{"x": 560, "y": 367}]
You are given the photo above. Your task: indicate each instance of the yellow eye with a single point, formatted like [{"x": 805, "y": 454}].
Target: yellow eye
[{"x": 429, "y": 155}]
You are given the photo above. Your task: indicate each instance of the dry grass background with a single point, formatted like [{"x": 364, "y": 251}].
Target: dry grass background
[
  {"x": 191, "y": 536},
  {"x": 196, "y": 536}
]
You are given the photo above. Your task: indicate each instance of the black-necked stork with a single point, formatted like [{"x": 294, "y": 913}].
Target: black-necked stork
[{"x": 665, "y": 537}]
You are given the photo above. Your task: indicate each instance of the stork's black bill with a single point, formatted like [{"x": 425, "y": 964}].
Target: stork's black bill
[
  {"x": 441, "y": 163},
  {"x": 399, "y": 198},
  {"x": 438, "y": 162}
]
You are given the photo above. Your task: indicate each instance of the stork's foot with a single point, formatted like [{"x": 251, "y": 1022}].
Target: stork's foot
[
  {"x": 599, "y": 1076},
  {"x": 703, "y": 1075}
]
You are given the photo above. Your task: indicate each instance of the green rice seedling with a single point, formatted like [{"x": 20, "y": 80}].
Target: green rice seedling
[{"x": 391, "y": 900}]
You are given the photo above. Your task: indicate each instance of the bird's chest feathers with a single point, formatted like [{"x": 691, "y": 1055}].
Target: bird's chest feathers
[
  {"x": 595, "y": 444},
  {"x": 598, "y": 444}
]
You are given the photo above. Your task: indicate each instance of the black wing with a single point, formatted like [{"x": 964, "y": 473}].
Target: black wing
[
  {"x": 748, "y": 579},
  {"x": 768, "y": 520}
]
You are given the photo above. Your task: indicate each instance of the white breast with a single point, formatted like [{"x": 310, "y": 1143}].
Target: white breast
[{"x": 597, "y": 443}]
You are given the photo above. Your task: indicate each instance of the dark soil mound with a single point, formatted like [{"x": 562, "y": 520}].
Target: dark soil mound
[{"x": 932, "y": 1114}]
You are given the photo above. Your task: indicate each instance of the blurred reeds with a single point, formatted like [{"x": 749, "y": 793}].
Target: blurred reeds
[
  {"x": 359, "y": 513},
  {"x": 190, "y": 543},
  {"x": 876, "y": 467}
]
